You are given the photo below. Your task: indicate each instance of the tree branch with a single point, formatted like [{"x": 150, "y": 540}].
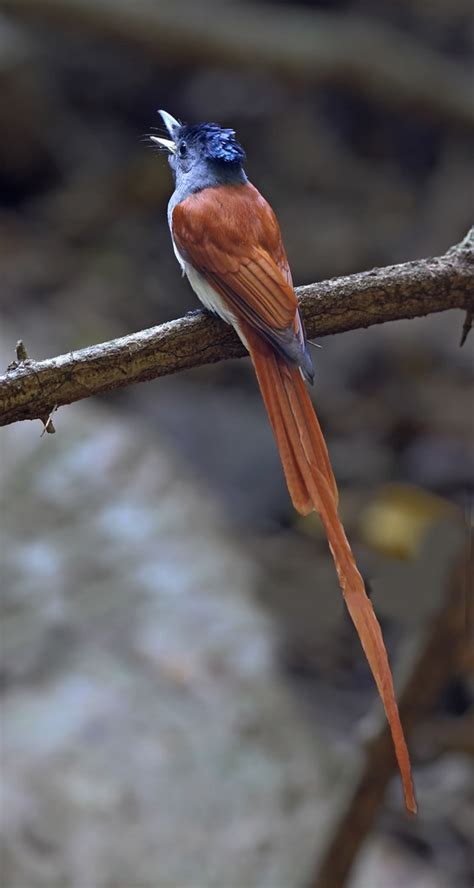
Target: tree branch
[
  {"x": 35, "y": 389},
  {"x": 313, "y": 45}
]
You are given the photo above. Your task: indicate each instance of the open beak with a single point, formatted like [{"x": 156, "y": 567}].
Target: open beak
[
  {"x": 172, "y": 125},
  {"x": 164, "y": 143}
]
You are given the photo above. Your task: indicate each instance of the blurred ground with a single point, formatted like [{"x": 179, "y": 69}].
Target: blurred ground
[
  {"x": 142, "y": 701},
  {"x": 356, "y": 180}
]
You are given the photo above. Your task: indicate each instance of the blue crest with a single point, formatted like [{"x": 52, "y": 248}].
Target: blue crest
[{"x": 216, "y": 143}]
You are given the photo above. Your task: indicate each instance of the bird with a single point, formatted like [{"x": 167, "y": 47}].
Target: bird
[{"x": 228, "y": 243}]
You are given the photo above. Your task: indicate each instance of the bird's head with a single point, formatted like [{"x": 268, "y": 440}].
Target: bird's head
[{"x": 196, "y": 152}]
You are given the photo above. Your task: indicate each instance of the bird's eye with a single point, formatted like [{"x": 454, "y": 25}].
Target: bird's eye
[{"x": 182, "y": 149}]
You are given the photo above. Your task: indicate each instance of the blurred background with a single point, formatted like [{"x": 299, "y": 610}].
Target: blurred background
[{"x": 185, "y": 703}]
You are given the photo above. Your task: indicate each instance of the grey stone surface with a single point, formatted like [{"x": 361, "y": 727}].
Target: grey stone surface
[{"x": 147, "y": 740}]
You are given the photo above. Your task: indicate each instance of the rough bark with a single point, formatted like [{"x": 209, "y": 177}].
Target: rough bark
[{"x": 34, "y": 389}]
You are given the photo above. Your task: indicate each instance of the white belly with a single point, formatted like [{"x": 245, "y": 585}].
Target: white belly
[{"x": 209, "y": 297}]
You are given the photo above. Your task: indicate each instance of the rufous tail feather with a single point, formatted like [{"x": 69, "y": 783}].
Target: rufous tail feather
[{"x": 311, "y": 485}]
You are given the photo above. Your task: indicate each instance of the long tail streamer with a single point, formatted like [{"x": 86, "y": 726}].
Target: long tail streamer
[{"x": 312, "y": 486}]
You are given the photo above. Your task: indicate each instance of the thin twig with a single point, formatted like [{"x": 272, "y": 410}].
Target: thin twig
[{"x": 466, "y": 327}]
